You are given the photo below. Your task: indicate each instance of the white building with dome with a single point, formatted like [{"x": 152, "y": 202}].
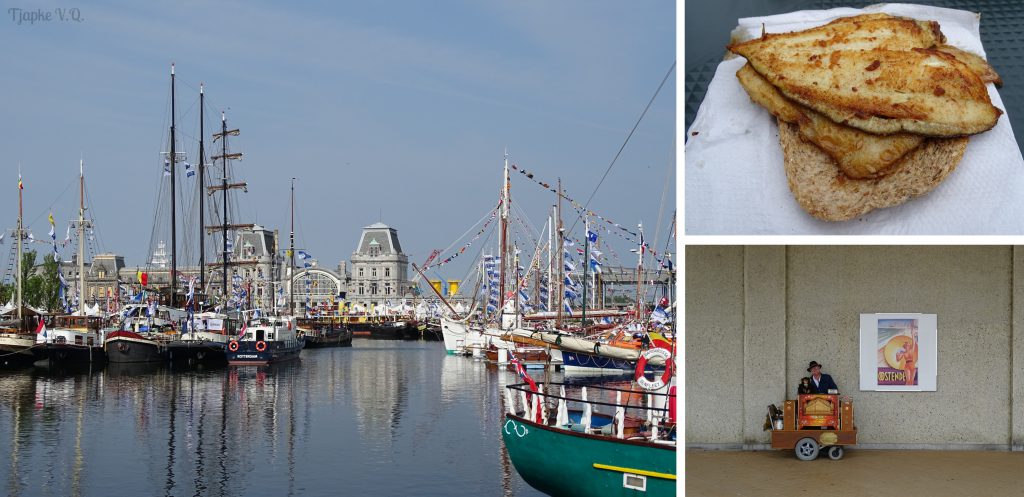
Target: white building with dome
[{"x": 380, "y": 270}]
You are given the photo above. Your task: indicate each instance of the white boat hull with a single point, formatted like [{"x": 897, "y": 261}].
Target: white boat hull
[{"x": 458, "y": 336}]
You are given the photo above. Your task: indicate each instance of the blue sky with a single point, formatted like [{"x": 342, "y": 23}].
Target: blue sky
[{"x": 390, "y": 111}]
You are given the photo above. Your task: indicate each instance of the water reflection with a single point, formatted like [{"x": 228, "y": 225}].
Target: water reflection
[{"x": 393, "y": 418}]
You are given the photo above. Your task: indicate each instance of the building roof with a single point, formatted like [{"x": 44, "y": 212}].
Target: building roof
[{"x": 382, "y": 236}]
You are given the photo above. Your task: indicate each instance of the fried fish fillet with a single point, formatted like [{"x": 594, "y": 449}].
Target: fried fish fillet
[
  {"x": 863, "y": 32},
  {"x": 858, "y": 154},
  {"x": 976, "y": 63},
  {"x": 880, "y": 91}
]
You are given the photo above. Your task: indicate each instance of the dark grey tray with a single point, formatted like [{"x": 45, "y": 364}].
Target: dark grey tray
[{"x": 708, "y": 24}]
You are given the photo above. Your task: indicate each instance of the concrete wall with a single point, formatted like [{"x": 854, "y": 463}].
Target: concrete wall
[{"x": 755, "y": 316}]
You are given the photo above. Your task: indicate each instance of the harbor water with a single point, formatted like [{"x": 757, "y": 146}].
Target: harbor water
[{"x": 388, "y": 417}]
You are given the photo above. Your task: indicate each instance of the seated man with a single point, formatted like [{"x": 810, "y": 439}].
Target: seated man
[{"x": 820, "y": 383}]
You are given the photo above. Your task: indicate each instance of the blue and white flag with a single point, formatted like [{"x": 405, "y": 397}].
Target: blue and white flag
[
  {"x": 595, "y": 266},
  {"x": 591, "y": 236},
  {"x": 167, "y": 167},
  {"x": 660, "y": 315},
  {"x": 567, "y": 307},
  {"x": 571, "y": 294},
  {"x": 569, "y": 266},
  {"x": 189, "y": 171}
]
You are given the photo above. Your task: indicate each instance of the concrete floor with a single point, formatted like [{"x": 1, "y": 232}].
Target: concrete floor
[{"x": 903, "y": 473}]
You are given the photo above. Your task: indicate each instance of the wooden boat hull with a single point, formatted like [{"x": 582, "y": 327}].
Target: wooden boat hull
[
  {"x": 385, "y": 331},
  {"x": 65, "y": 353},
  {"x": 580, "y": 362},
  {"x": 339, "y": 336},
  {"x": 431, "y": 332},
  {"x": 560, "y": 462},
  {"x": 16, "y": 349},
  {"x": 126, "y": 346},
  {"x": 197, "y": 351}
]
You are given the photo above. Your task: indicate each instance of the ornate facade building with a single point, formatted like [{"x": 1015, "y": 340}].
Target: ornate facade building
[
  {"x": 380, "y": 270},
  {"x": 377, "y": 273}
]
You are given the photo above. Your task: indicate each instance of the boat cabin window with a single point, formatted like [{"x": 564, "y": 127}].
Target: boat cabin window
[
  {"x": 270, "y": 336},
  {"x": 78, "y": 339},
  {"x": 260, "y": 334}
]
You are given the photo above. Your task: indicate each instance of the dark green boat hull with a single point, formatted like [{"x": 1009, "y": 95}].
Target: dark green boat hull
[{"x": 559, "y": 462}]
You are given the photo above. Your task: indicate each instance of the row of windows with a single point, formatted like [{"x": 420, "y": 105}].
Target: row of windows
[
  {"x": 373, "y": 289},
  {"x": 373, "y": 272}
]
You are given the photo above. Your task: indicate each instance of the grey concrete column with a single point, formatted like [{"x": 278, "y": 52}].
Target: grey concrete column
[
  {"x": 764, "y": 338},
  {"x": 714, "y": 346},
  {"x": 1017, "y": 353}
]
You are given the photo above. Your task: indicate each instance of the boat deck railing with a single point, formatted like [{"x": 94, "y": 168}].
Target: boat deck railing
[{"x": 653, "y": 409}]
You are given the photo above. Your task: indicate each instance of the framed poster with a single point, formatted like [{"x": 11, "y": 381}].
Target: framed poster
[{"x": 898, "y": 352}]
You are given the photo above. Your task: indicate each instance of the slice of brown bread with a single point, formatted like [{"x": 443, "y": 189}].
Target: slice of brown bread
[{"x": 826, "y": 193}]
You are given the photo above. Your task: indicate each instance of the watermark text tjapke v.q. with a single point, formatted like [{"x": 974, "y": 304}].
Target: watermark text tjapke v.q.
[{"x": 32, "y": 16}]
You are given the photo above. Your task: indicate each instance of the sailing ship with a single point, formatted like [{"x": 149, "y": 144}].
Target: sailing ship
[
  {"x": 265, "y": 340},
  {"x": 18, "y": 321},
  {"x": 16, "y": 337},
  {"x": 75, "y": 338},
  {"x": 204, "y": 339},
  {"x": 319, "y": 332},
  {"x": 144, "y": 333}
]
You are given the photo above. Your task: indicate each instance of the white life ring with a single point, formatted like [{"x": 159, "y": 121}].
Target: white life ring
[{"x": 641, "y": 365}]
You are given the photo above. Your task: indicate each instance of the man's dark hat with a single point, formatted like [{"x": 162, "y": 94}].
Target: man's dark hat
[{"x": 813, "y": 364}]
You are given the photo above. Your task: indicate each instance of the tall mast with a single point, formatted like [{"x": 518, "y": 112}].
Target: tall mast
[
  {"x": 639, "y": 273},
  {"x": 504, "y": 241},
  {"x": 81, "y": 235},
  {"x": 273, "y": 276},
  {"x": 585, "y": 262},
  {"x": 202, "y": 194},
  {"x": 291, "y": 252},
  {"x": 224, "y": 186},
  {"x": 551, "y": 257},
  {"x": 515, "y": 273},
  {"x": 224, "y": 202},
  {"x": 174, "y": 224},
  {"x": 20, "y": 233},
  {"x": 561, "y": 258}
]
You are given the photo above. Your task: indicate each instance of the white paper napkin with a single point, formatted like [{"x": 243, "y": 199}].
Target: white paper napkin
[{"x": 736, "y": 184}]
